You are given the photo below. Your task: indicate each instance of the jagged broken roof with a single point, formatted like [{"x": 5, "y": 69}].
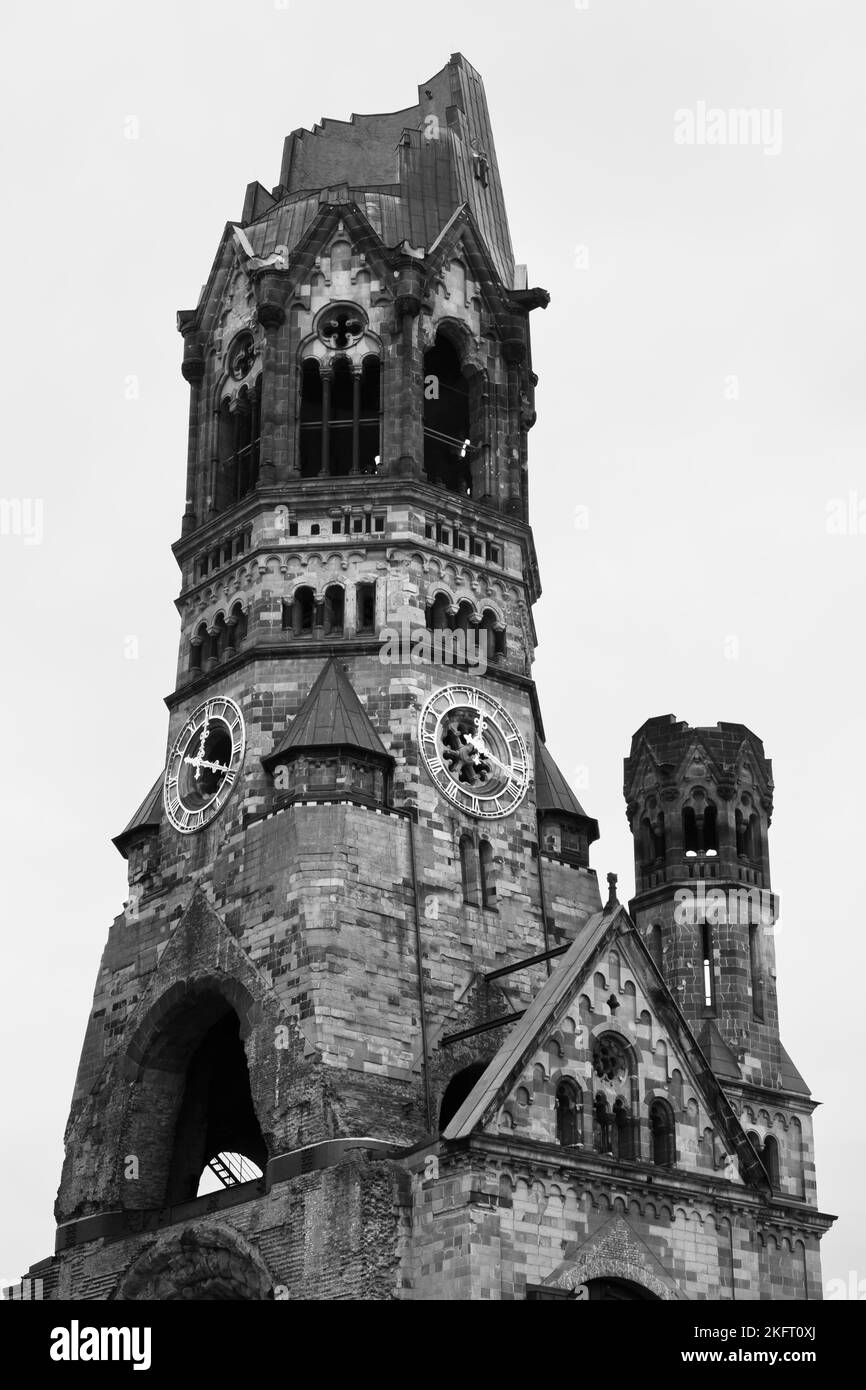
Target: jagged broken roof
[{"x": 331, "y": 716}]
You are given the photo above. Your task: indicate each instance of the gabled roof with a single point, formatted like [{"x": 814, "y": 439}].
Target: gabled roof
[
  {"x": 521, "y": 1040},
  {"x": 550, "y": 1006},
  {"x": 332, "y": 716},
  {"x": 147, "y": 817},
  {"x": 552, "y": 792}
]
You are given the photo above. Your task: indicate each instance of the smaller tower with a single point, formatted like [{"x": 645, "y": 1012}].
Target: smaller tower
[{"x": 699, "y": 803}]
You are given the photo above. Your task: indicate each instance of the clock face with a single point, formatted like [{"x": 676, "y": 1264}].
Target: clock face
[
  {"x": 204, "y": 764},
  {"x": 474, "y": 752}
]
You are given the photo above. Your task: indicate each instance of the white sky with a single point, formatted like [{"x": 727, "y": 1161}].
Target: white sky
[{"x": 707, "y": 515}]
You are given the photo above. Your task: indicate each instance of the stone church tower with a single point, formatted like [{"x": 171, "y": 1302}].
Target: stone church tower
[{"x": 364, "y": 1028}]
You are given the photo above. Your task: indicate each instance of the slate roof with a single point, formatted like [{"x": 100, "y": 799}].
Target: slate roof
[
  {"x": 147, "y": 817},
  {"x": 552, "y": 792},
  {"x": 717, "y": 1052},
  {"x": 791, "y": 1078},
  {"x": 332, "y": 716}
]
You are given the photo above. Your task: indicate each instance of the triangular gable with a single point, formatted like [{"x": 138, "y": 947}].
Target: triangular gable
[
  {"x": 460, "y": 238},
  {"x": 698, "y": 763},
  {"x": 641, "y": 761},
  {"x": 615, "y": 1250},
  {"x": 607, "y": 931},
  {"x": 358, "y": 230}
]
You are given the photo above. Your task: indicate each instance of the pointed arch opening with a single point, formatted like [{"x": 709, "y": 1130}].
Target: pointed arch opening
[
  {"x": 191, "y": 1106},
  {"x": 569, "y": 1114},
  {"x": 446, "y": 419},
  {"x": 663, "y": 1132},
  {"x": 457, "y": 1090}
]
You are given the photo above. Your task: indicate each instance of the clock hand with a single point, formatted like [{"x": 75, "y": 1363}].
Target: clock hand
[
  {"x": 481, "y": 748},
  {"x": 199, "y": 763},
  {"x": 199, "y": 758}
]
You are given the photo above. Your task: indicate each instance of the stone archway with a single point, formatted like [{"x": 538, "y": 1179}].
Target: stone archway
[
  {"x": 204, "y": 1264},
  {"x": 606, "y": 1290},
  {"x": 615, "y": 1265}
]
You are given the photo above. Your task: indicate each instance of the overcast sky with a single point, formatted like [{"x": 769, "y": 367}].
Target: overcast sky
[{"x": 701, "y": 397}]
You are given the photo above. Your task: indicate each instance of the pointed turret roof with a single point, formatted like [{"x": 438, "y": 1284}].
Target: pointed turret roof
[
  {"x": 147, "y": 817},
  {"x": 332, "y": 716},
  {"x": 552, "y": 792}
]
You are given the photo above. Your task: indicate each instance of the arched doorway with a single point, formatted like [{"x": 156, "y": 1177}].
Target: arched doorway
[{"x": 618, "y": 1291}]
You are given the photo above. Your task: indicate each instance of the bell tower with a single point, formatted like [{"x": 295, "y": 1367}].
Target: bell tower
[
  {"x": 364, "y": 1027},
  {"x": 345, "y": 842},
  {"x": 700, "y": 803}
]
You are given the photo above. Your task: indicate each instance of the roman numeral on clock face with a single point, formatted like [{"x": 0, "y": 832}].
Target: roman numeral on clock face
[
  {"x": 203, "y": 764},
  {"x": 489, "y": 773}
]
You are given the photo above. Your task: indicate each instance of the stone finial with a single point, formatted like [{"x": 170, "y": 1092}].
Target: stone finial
[{"x": 612, "y": 899}]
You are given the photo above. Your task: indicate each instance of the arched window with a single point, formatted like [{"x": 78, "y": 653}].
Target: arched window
[
  {"x": 463, "y": 621},
  {"x": 365, "y": 616},
  {"x": 446, "y": 419},
  {"x": 303, "y": 609},
  {"x": 602, "y": 1127},
  {"x": 648, "y": 842},
  {"x": 659, "y": 836},
  {"x": 709, "y": 978},
  {"x": 770, "y": 1155},
  {"x": 655, "y": 943},
  {"x": 236, "y": 628},
  {"x": 341, "y": 406},
  {"x": 238, "y": 446},
  {"x": 216, "y": 1114},
  {"x": 310, "y": 419},
  {"x": 437, "y": 613},
  {"x": 569, "y": 1114},
  {"x": 748, "y": 832},
  {"x": 370, "y": 418},
  {"x": 493, "y": 637},
  {"x": 740, "y": 831},
  {"x": 469, "y": 870},
  {"x": 488, "y": 875},
  {"x": 339, "y": 461},
  {"x": 217, "y": 640},
  {"x": 623, "y": 1130},
  {"x": 711, "y": 842},
  {"x": 757, "y": 974},
  {"x": 334, "y": 605},
  {"x": 690, "y": 831},
  {"x": 457, "y": 1090},
  {"x": 197, "y": 647},
  {"x": 663, "y": 1130}
]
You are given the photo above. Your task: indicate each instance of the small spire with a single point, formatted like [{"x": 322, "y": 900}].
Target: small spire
[{"x": 612, "y": 899}]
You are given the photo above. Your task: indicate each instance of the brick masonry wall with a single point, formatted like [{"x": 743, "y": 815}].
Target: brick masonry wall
[{"x": 488, "y": 1225}]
